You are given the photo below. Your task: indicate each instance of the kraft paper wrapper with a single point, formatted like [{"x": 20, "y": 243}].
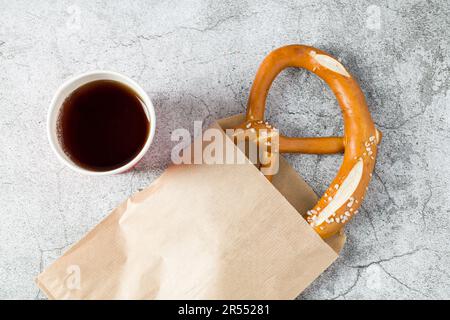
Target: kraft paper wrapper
[{"x": 200, "y": 232}]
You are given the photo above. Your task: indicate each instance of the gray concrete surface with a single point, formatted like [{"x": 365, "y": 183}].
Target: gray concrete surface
[{"x": 197, "y": 60}]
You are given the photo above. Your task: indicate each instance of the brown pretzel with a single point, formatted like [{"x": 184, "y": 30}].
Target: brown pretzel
[{"x": 343, "y": 198}]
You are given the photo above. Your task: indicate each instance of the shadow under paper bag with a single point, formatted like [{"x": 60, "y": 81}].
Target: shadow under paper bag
[{"x": 200, "y": 232}]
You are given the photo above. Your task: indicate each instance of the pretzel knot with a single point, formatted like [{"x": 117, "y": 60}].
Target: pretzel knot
[{"x": 360, "y": 142}]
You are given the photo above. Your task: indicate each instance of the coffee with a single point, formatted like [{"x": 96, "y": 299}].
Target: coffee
[{"x": 103, "y": 125}]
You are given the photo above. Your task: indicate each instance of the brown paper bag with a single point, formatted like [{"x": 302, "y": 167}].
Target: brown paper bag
[{"x": 200, "y": 232}]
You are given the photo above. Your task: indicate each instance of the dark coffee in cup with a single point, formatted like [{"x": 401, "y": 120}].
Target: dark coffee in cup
[{"x": 103, "y": 125}]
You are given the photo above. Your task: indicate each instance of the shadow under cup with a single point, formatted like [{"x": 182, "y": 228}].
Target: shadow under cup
[{"x": 101, "y": 123}]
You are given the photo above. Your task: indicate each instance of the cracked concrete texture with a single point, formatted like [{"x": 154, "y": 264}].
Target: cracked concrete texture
[{"x": 197, "y": 60}]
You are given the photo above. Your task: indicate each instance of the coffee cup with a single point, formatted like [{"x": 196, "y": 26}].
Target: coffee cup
[{"x": 66, "y": 90}]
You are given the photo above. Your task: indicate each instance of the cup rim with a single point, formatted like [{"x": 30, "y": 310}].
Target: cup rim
[{"x": 55, "y": 107}]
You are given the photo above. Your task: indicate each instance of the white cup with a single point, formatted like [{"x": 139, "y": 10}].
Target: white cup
[{"x": 72, "y": 84}]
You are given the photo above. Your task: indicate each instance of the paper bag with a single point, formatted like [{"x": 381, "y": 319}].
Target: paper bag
[{"x": 200, "y": 232}]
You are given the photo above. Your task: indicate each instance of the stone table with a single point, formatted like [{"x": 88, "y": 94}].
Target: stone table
[{"x": 197, "y": 60}]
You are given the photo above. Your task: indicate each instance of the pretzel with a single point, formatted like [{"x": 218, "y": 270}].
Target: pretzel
[{"x": 342, "y": 199}]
